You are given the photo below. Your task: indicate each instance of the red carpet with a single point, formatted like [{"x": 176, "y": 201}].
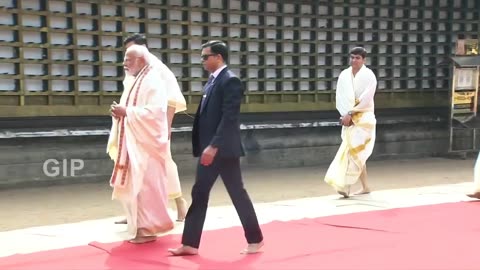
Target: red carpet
[{"x": 440, "y": 237}]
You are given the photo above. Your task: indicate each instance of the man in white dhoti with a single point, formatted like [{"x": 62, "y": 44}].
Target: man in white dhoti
[
  {"x": 476, "y": 180},
  {"x": 176, "y": 104},
  {"x": 356, "y": 87},
  {"x": 138, "y": 144}
]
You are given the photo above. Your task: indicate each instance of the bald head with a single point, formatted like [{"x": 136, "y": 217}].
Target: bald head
[{"x": 136, "y": 58}]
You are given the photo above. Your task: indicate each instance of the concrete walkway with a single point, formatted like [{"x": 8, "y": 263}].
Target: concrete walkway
[
  {"x": 24, "y": 208},
  {"x": 103, "y": 230}
]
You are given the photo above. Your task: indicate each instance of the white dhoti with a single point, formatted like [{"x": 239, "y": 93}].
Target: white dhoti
[
  {"x": 354, "y": 94},
  {"x": 357, "y": 145},
  {"x": 173, "y": 180},
  {"x": 138, "y": 144}
]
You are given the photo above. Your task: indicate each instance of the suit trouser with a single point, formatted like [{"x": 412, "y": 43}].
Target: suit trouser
[{"x": 229, "y": 170}]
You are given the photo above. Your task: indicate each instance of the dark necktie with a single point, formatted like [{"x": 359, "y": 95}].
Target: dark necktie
[{"x": 206, "y": 91}]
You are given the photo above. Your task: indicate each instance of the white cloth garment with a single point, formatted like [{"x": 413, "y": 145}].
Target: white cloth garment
[{"x": 354, "y": 93}]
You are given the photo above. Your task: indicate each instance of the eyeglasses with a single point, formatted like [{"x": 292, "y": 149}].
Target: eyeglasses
[{"x": 205, "y": 56}]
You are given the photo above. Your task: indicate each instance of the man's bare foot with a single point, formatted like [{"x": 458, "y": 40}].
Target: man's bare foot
[
  {"x": 123, "y": 221},
  {"x": 343, "y": 193},
  {"x": 362, "y": 191},
  {"x": 183, "y": 251},
  {"x": 252, "y": 248},
  {"x": 181, "y": 209},
  {"x": 143, "y": 239},
  {"x": 475, "y": 195}
]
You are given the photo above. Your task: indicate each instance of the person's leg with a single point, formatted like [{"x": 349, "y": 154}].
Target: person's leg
[
  {"x": 181, "y": 204},
  {"x": 152, "y": 215},
  {"x": 232, "y": 178},
  {"x": 195, "y": 218},
  {"x": 363, "y": 180},
  {"x": 476, "y": 180},
  {"x": 475, "y": 195}
]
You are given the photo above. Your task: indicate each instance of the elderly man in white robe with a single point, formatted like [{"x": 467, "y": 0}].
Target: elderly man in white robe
[
  {"x": 176, "y": 104},
  {"x": 138, "y": 145},
  {"x": 356, "y": 88}
]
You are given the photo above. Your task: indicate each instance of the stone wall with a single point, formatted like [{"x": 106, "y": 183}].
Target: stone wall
[{"x": 291, "y": 144}]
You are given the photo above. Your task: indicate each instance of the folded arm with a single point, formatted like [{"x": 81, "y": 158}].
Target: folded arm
[{"x": 366, "y": 98}]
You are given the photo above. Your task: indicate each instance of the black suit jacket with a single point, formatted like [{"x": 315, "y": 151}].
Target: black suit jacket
[{"x": 218, "y": 123}]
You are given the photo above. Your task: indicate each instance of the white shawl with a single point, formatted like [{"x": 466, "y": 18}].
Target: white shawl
[{"x": 355, "y": 93}]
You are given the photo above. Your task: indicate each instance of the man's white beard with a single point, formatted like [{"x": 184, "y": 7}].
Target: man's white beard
[{"x": 128, "y": 73}]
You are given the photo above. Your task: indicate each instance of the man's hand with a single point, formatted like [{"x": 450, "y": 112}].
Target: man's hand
[
  {"x": 117, "y": 111},
  {"x": 208, "y": 155},
  {"x": 346, "y": 120}
]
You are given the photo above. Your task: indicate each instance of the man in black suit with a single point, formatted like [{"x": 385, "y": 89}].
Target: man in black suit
[{"x": 216, "y": 140}]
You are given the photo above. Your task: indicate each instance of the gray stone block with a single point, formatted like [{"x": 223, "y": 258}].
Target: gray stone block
[{"x": 21, "y": 160}]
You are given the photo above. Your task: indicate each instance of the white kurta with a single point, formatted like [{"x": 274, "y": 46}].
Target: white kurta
[
  {"x": 138, "y": 144},
  {"x": 354, "y": 93},
  {"x": 174, "y": 93},
  {"x": 176, "y": 100}
]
